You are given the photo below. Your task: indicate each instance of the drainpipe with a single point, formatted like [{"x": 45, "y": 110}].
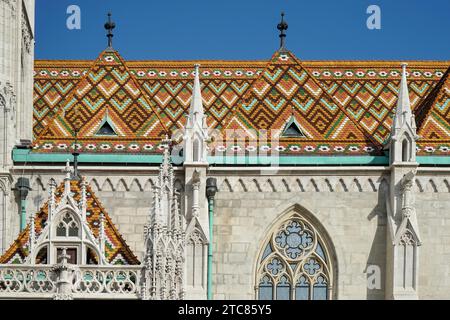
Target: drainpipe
[
  {"x": 23, "y": 186},
  {"x": 211, "y": 189}
]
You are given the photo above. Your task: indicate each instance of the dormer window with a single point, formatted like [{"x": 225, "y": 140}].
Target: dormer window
[
  {"x": 106, "y": 130},
  {"x": 106, "y": 127},
  {"x": 292, "y": 129}
]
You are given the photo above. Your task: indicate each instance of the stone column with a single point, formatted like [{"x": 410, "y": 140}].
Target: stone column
[{"x": 64, "y": 273}]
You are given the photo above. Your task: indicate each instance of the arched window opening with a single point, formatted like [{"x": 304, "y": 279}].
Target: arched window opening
[
  {"x": 61, "y": 230},
  {"x": 91, "y": 256},
  {"x": 42, "y": 256},
  {"x": 196, "y": 252},
  {"x": 68, "y": 226},
  {"x": 302, "y": 288},
  {"x": 295, "y": 263},
  {"x": 265, "y": 288},
  {"x": 405, "y": 156}
]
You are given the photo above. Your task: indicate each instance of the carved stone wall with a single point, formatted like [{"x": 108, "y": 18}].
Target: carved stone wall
[
  {"x": 126, "y": 197},
  {"x": 350, "y": 207},
  {"x": 352, "y": 211}
]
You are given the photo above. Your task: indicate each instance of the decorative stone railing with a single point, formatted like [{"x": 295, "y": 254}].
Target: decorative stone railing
[{"x": 66, "y": 281}]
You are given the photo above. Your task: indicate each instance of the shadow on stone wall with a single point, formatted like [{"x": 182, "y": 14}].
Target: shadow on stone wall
[{"x": 376, "y": 263}]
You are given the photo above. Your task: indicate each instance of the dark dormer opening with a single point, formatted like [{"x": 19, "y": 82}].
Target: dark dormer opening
[
  {"x": 106, "y": 129},
  {"x": 292, "y": 130}
]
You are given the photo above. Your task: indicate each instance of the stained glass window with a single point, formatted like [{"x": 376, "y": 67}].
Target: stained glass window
[
  {"x": 265, "y": 288},
  {"x": 294, "y": 263}
]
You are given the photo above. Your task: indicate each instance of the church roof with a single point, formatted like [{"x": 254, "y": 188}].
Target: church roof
[
  {"x": 343, "y": 107},
  {"x": 433, "y": 114},
  {"x": 116, "y": 249}
]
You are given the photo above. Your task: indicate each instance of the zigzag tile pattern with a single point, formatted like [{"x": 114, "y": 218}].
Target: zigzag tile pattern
[
  {"x": 107, "y": 88},
  {"x": 344, "y": 104},
  {"x": 286, "y": 89},
  {"x": 174, "y": 97},
  {"x": 370, "y": 94},
  {"x": 48, "y": 95}
]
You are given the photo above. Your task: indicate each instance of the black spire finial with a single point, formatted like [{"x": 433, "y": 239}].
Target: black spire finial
[
  {"x": 109, "y": 26},
  {"x": 282, "y": 26}
]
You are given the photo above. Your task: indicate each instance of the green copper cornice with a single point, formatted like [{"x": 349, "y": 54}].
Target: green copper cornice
[{"x": 28, "y": 156}]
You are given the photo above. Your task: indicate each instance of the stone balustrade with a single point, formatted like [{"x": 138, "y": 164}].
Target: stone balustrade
[{"x": 67, "y": 281}]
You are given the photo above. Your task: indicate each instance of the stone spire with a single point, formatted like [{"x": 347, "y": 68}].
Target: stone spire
[
  {"x": 196, "y": 130},
  {"x": 164, "y": 238},
  {"x": 403, "y": 112},
  {"x": 402, "y": 250},
  {"x": 403, "y": 133},
  {"x": 196, "y": 114}
]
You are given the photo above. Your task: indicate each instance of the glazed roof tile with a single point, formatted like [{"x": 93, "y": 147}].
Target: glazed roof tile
[{"x": 353, "y": 101}]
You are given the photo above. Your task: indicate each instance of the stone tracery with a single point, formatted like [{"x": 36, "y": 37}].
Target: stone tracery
[{"x": 294, "y": 265}]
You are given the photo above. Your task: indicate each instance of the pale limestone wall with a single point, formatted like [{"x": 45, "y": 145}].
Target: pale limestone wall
[
  {"x": 433, "y": 212},
  {"x": 349, "y": 207},
  {"x": 129, "y": 211},
  {"x": 353, "y": 219},
  {"x": 16, "y": 94}
]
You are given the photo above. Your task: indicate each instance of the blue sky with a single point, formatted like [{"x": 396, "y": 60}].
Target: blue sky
[{"x": 246, "y": 29}]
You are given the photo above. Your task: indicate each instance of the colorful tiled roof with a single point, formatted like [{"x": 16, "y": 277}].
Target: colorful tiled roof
[
  {"x": 433, "y": 118},
  {"x": 107, "y": 90},
  {"x": 284, "y": 89},
  {"x": 344, "y": 106},
  {"x": 116, "y": 249}
]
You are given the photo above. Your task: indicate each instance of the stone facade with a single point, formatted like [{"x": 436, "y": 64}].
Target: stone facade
[
  {"x": 348, "y": 205},
  {"x": 16, "y": 96}
]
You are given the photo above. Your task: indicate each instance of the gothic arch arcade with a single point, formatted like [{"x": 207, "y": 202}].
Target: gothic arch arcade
[{"x": 296, "y": 260}]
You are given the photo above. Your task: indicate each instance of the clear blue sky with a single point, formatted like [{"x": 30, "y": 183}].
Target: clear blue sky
[{"x": 246, "y": 29}]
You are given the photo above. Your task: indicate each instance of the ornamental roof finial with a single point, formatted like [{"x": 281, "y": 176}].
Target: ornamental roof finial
[
  {"x": 282, "y": 26},
  {"x": 109, "y": 26}
]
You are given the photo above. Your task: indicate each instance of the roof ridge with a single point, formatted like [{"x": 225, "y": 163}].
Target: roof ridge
[
  {"x": 68, "y": 98},
  {"x": 257, "y": 61},
  {"x": 73, "y": 92}
]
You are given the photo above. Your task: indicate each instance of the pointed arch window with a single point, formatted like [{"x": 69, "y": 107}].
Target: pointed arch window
[
  {"x": 197, "y": 247},
  {"x": 295, "y": 263},
  {"x": 67, "y": 226}
]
